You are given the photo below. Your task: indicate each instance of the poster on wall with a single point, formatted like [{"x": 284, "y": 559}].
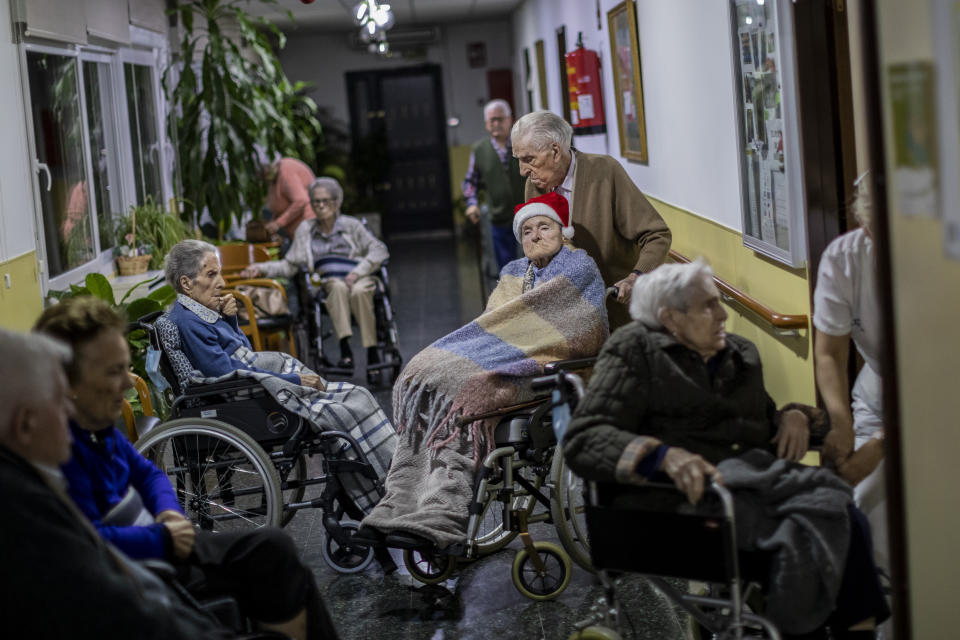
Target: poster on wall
[
  {"x": 771, "y": 184},
  {"x": 627, "y": 81},
  {"x": 946, "y": 43},
  {"x": 914, "y": 138}
]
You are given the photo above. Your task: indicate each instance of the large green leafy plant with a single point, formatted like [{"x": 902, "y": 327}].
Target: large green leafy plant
[
  {"x": 97, "y": 285},
  {"x": 224, "y": 103}
]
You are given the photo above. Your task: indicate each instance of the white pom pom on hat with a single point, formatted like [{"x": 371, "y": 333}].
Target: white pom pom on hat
[{"x": 551, "y": 204}]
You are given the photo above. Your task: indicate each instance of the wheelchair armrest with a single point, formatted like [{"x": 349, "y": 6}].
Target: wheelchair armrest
[
  {"x": 569, "y": 365},
  {"x": 194, "y": 391},
  {"x": 237, "y": 384}
]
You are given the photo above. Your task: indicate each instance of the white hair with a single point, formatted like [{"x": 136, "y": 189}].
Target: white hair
[
  {"x": 541, "y": 129},
  {"x": 666, "y": 287},
  {"x": 186, "y": 259},
  {"x": 28, "y": 364},
  {"x": 331, "y": 185},
  {"x": 493, "y": 104}
]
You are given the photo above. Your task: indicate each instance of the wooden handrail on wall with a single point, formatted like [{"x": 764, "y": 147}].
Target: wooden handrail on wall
[{"x": 782, "y": 323}]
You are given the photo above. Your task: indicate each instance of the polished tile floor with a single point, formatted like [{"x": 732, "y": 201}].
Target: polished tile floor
[{"x": 435, "y": 289}]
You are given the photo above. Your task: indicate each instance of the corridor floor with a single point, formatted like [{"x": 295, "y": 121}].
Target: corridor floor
[{"x": 435, "y": 289}]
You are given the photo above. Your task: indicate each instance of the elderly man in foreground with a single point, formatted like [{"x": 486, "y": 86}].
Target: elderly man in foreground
[
  {"x": 615, "y": 223},
  {"x": 673, "y": 393},
  {"x": 59, "y": 578}
]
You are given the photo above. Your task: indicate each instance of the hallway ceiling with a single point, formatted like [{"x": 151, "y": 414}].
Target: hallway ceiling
[{"x": 336, "y": 15}]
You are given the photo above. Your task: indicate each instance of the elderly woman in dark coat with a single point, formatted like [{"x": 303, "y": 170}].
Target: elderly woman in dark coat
[{"x": 673, "y": 393}]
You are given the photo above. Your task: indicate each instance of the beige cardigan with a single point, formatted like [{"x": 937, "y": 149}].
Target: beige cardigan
[{"x": 613, "y": 222}]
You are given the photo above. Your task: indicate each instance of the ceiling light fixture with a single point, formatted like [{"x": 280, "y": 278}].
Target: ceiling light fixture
[{"x": 374, "y": 20}]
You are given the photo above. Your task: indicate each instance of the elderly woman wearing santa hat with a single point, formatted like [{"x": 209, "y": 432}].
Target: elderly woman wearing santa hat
[{"x": 548, "y": 305}]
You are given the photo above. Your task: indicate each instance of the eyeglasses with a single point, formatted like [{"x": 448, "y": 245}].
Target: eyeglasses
[{"x": 323, "y": 202}]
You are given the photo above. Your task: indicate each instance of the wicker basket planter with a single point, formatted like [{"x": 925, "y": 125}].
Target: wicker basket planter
[{"x": 132, "y": 265}]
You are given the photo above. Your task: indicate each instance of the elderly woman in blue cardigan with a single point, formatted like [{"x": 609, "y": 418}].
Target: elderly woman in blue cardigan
[{"x": 215, "y": 346}]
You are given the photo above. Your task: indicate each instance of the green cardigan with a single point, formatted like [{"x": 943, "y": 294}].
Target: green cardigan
[{"x": 614, "y": 223}]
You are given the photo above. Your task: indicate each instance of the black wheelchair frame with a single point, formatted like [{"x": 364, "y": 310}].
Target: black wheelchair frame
[
  {"x": 223, "y": 434},
  {"x": 618, "y": 521},
  {"x": 313, "y": 330},
  {"x": 519, "y": 475}
]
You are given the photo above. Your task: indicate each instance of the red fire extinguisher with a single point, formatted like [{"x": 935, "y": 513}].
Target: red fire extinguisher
[{"x": 586, "y": 95}]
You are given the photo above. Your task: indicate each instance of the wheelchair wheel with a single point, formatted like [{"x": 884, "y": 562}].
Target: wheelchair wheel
[
  {"x": 595, "y": 633},
  {"x": 491, "y": 536},
  {"x": 428, "y": 567},
  {"x": 346, "y": 558},
  {"x": 224, "y": 480},
  {"x": 297, "y": 474},
  {"x": 542, "y": 585},
  {"x": 569, "y": 513}
]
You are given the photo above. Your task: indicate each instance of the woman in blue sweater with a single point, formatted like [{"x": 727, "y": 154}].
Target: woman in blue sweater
[
  {"x": 132, "y": 505},
  {"x": 213, "y": 343}
]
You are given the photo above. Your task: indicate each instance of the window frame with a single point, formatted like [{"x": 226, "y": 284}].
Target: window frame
[{"x": 147, "y": 48}]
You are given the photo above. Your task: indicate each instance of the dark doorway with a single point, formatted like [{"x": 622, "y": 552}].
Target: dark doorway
[{"x": 398, "y": 126}]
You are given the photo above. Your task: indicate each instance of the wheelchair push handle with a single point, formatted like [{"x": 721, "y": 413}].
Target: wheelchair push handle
[{"x": 563, "y": 382}]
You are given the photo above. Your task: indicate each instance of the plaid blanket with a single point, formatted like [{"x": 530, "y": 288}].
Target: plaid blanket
[
  {"x": 341, "y": 407},
  {"x": 484, "y": 365}
]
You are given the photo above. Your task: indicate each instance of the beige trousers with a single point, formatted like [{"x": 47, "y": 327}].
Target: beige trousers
[{"x": 342, "y": 300}]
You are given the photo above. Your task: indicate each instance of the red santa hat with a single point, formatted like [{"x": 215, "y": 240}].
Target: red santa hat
[{"x": 551, "y": 204}]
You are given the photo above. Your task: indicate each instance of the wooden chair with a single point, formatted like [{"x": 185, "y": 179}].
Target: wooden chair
[
  {"x": 234, "y": 257},
  {"x": 271, "y": 325},
  {"x": 146, "y": 405},
  {"x": 249, "y": 329}
]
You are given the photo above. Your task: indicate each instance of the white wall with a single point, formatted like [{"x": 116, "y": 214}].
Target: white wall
[
  {"x": 688, "y": 88},
  {"x": 324, "y": 58},
  {"x": 16, "y": 175}
]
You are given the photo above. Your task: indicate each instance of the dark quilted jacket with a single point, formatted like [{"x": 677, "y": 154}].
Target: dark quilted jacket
[{"x": 647, "y": 383}]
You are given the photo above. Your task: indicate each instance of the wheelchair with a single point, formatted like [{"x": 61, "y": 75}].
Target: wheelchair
[
  {"x": 238, "y": 459},
  {"x": 618, "y": 523},
  {"x": 522, "y": 481},
  {"x": 314, "y": 328}
]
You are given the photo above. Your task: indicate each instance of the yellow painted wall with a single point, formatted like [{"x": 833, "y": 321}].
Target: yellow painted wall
[
  {"x": 926, "y": 291},
  {"x": 22, "y": 303},
  {"x": 787, "y": 361}
]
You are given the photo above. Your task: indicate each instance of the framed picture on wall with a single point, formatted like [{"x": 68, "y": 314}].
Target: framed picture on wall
[
  {"x": 542, "y": 73},
  {"x": 562, "y": 57},
  {"x": 627, "y": 83}
]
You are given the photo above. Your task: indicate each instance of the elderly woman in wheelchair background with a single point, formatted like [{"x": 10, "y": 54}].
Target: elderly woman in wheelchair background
[
  {"x": 134, "y": 507},
  {"x": 218, "y": 350},
  {"x": 345, "y": 256},
  {"x": 548, "y": 306},
  {"x": 672, "y": 393}
]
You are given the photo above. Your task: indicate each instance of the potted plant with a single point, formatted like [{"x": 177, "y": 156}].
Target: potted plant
[
  {"x": 131, "y": 257},
  {"x": 149, "y": 231}
]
